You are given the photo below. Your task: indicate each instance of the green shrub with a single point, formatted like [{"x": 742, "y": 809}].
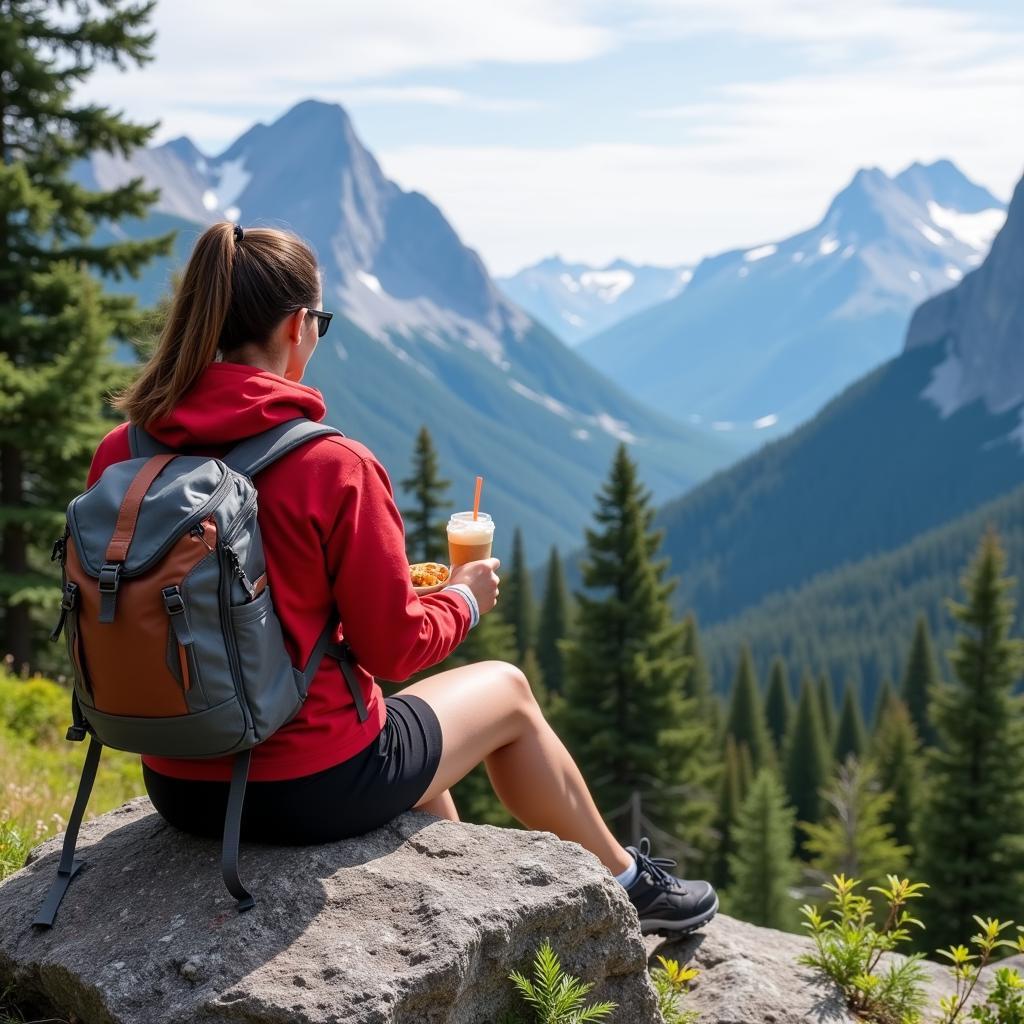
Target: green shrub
[{"x": 849, "y": 948}]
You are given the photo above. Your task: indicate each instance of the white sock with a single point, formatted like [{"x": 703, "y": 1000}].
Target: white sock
[{"x": 628, "y": 877}]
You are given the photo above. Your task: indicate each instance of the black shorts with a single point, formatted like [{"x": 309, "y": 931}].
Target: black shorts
[{"x": 352, "y": 798}]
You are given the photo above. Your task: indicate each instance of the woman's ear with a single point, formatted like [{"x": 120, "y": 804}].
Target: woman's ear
[{"x": 295, "y": 322}]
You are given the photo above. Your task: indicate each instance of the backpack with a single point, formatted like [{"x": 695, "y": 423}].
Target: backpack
[{"x": 170, "y": 627}]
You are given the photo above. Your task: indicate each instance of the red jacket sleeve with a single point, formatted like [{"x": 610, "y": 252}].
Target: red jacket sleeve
[
  {"x": 393, "y": 632},
  {"x": 113, "y": 448}
]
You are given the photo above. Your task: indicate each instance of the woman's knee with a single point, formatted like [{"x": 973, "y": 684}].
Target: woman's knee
[{"x": 523, "y": 699}]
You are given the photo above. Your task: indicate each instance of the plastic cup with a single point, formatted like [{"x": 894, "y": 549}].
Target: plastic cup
[{"x": 469, "y": 539}]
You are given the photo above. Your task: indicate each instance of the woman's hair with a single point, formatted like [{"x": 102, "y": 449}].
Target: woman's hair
[{"x": 236, "y": 288}]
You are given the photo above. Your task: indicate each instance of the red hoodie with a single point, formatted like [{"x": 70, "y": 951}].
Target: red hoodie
[{"x": 334, "y": 544}]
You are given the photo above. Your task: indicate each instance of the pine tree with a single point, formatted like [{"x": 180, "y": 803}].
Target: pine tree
[
  {"x": 970, "y": 836},
  {"x": 778, "y": 705},
  {"x": 851, "y": 735},
  {"x": 730, "y": 796},
  {"x": 920, "y": 680},
  {"x": 807, "y": 758},
  {"x": 517, "y": 607},
  {"x": 762, "y": 866},
  {"x": 855, "y": 836},
  {"x": 827, "y": 706},
  {"x": 746, "y": 722},
  {"x": 56, "y": 321},
  {"x": 896, "y": 752},
  {"x": 554, "y": 626},
  {"x": 425, "y": 539},
  {"x": 886, "y": 693},
  {"x": 697, "y": 678},
  {"x": 626, "y": 720}
]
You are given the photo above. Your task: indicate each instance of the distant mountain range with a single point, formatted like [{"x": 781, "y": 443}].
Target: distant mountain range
[
  {"x": 577, "y": 300},
  {"x": 422, "y": 334},
  {"x": 918, "y": 442},
  {"x": 857, "y": 620},
  {"x": 762, "y": 338}
]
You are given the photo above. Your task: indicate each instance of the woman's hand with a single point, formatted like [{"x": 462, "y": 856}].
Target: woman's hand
[{"x": 482, "y": 578}]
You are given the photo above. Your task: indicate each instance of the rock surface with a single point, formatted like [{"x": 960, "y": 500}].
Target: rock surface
[
  {"x": 750, "y": 975},
  {"x": 419, "y": 921}
]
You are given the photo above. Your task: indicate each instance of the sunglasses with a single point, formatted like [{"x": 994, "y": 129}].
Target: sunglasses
[{"x": 323, "y": 320}]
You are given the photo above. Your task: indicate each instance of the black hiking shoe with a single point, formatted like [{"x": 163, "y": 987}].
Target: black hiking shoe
[{"x": 664, "y": 903}]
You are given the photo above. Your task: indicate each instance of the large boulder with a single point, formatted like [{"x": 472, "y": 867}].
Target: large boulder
[{"x": 420, "y": 921}]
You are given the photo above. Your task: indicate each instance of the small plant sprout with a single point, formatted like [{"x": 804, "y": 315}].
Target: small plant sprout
[
  {"x": 672, "y": 982},
  {"x": 555, "y": 996}
]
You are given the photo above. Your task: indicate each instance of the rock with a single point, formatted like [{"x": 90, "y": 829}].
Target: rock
[
  {"x": 419, "y": 921},
  {"x": 750, "y": 975}
]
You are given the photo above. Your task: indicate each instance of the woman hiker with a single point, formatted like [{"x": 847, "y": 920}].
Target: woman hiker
[{"x": 229, "y": 363}]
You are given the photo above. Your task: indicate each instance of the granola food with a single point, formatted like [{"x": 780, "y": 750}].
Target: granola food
[{"x": 428, "y": 574}]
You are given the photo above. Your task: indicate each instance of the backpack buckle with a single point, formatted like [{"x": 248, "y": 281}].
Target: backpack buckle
[
  {"x": 173, "y": 601},
  {"x": 109, "y": 580},
  {"x": 69, "y": 597}
]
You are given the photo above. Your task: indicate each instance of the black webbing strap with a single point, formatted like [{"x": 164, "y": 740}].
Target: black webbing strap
[
  {"x": 233, "y": 832},
  {"x": 141, "y": 444},
  {"x": 325, "y": 645},
  {"x": 260, "y": 450},
  {"x": 68, "y": 867}
]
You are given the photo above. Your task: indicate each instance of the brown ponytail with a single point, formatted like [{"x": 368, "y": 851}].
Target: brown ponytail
[{"x": 231, "y": 292}]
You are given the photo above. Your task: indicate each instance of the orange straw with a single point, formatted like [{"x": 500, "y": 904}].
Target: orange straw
[{"x": 476, "y": 497}]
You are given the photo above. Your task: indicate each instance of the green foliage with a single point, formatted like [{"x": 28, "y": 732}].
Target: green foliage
[
  {"x": 855, "y": 838},
  {"x": 426, "y": 537},
  {"x": 56, "y": 322},
  {"x": 516, "y": 606},
  {"x": 554, "y": 625},
  {"x": 807, "y": 760},
  {"x": 762, "y": 866},
  {"x": 1004, "y": 1003},
  {"x": 625, "y": 718},
  {"x": 864, "y": 612},
  {"x": 730, "y": 795},
  {"x": 672, "y": 983},
  {"x": 554, "y": 996},
  {"x": 885, "y": 694},
  {"x": 920, "y": 680},
  {"x": 970, "y": 834},
  {"x": 778, "y": 705},
  {"x": 745, "y": 721},
  {"x": 851, "y": 735},
  {"x": 41, "y": 769},
  {"x": 896, "y": 753},
  {"x": 849, "y": 946},
  {"x": 827, "y": 706},
  {"x": 697, "y": 684}
]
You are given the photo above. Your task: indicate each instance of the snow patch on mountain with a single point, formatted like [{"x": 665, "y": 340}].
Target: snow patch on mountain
[
  {"x": 552, "y": 404},
  {"x": 974, "y": 229},
  {"x": 760, "y": 253},
  {"x": 607, "y": 285}
]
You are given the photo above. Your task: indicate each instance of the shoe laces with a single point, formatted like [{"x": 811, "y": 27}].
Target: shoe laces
[{"x": 655, "y": 866}]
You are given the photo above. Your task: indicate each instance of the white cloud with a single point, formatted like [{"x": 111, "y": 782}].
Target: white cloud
[{"x": 237, "y": 62}]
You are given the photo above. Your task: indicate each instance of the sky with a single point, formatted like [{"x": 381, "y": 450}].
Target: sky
[{"x": 659, "y": 131}]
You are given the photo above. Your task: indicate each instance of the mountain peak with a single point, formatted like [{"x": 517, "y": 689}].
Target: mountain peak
[
  {"x": 944, "y": 183},
  {"x": 185, "y": 149}
]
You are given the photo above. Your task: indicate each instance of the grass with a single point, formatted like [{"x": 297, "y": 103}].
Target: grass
[{"x": 41, "y": 768}]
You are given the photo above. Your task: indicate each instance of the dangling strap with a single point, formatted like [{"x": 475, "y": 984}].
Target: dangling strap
[
  {"x": 233, "y": 832},
  {"x": 325, "y": 645},
  {"x": 69, "y": 866}
]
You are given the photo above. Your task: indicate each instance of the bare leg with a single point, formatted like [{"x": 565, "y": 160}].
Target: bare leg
[
  {"x": 442, "y": 806},
  {"x": 488, "y": 713}
]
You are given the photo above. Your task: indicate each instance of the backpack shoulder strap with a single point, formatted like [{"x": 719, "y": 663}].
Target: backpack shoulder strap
[
  {"x": 144, "y": 445},
  {"x": 258, "y": 452}
]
